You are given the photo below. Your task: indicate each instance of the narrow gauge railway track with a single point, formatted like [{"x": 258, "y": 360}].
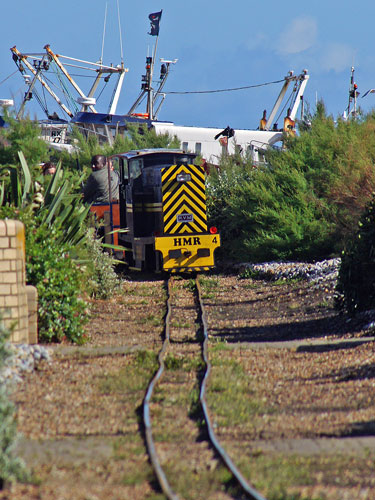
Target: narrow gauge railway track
[{"x": 186, "y": 340}]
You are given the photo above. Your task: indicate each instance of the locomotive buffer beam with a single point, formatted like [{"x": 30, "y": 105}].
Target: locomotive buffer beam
[{"x": 189, "y": 252}]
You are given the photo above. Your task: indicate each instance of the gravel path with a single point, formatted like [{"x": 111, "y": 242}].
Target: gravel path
[{"x": 311, "y": 370}]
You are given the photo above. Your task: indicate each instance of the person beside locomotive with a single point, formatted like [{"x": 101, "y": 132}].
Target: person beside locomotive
[
  {"x": 48, "y": 168},
  {"x": 101, "y": 182}
]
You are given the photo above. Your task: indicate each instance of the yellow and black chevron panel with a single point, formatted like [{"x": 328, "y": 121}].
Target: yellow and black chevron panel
[
  {"x": 187, "y": 252},
  {"x": 184, "y": 199},
  {"x": 190, "y": 269}
]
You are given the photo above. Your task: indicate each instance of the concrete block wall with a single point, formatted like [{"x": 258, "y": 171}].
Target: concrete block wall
[{"x": 18, "y": 303}]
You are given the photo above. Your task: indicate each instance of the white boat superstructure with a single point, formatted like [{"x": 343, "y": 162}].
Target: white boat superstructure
[
  {"x": 212, "y": 143},
  {"x": 79, "y": 106},
  {"x": 201, "y": 140}
]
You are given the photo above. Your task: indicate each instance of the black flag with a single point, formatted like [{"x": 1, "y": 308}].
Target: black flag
[{"x": 155, "y": 20}]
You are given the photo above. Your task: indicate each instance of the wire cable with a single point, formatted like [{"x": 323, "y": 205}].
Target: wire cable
[
  {"x": 284, "y": 107},
  {"x": 226, "y": 90},
  {"x": 7, "y": 78},
  {"x": 119, "y": 28},
  {"x": 104, "y": 30}
]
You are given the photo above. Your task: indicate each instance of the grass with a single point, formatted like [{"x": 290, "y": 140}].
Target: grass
[
  {"x": 191, "y": 485},
  {"x": 252, "y": 285},
  {"x": 261, "y": 276},
  {"x": 230, "y": 396},
  {"x": 135, "y": 474},
  {"x": 210, "y": 286},
  {"x": 153, "y": 319},
  {"x": 235, "y": 403},
  {"x": 218, "y": 346},
  {"x": 282, "y": 476},
  {"x": 186, "y": 364},
  {"x": 133, "y": 377},
  {"x": 129, "y": 446},
  {"x": 189, "y": 285},
  {"x": 178, "y": 324},
  {"x": 147, "y": 291},
  {"x": 172, "y": 362}
]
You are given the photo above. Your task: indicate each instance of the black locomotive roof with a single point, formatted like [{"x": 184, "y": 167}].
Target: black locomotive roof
[{"x": 156, "y": 151}]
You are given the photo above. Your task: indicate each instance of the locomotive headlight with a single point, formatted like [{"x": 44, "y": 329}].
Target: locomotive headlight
[{"x": 183, "y": 177}]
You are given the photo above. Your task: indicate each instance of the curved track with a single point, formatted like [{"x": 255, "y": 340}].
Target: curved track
[{"x": 247, "y": 490}]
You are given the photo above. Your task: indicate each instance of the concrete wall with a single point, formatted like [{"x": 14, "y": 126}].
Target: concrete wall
[{"x": 18, "y": 302}]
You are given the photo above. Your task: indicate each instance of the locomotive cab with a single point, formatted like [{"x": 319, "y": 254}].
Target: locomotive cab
[{"x": 163, "y": 208}]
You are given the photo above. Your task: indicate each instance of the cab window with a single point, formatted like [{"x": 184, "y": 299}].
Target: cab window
[
  {"x": 120, "y": 165},
  {"x": 115, "y": 163},
  {"x": 135, "y": 168}
]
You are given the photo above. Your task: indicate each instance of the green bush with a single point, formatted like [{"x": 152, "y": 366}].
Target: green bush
[
  {"x": 50, "y": 267},
  {"x": 306, "y": 202},
  {"x": 11, "y": 468},
  {"x": 356, "y": 281},
  {"x": 103, "y": 281},
  {"x": 222, "y": 187},
  {"x": 22, "y": 135}
]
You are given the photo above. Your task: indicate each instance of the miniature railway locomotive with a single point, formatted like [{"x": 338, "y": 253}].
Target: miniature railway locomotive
[{"x": 162, "y": 211}]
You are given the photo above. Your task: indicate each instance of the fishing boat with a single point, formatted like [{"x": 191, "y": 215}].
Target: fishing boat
[{"x": 78, "y": 107}]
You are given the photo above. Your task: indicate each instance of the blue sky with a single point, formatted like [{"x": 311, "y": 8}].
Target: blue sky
[{"x": 218, "y": 45}]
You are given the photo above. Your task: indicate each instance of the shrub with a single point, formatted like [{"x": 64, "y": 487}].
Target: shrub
[
  {"x": 307, "y": 202},
  {"x": 268, "y": 213},
  {"x": 356, "y": 280},
  {"x": 22, "y": 135},
  {"x": 50, "y": 267},
  {"x": 103, "y": 280},
  {"x": 11, "y": 468}
]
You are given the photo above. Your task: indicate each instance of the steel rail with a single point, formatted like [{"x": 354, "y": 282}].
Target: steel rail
[
  {"x": 247, "y": 488},
  {"x": 161, "y": 477}
]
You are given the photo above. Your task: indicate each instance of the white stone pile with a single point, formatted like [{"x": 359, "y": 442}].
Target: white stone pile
[
  {"x": 325, "y": 271},
  {"x": 24, "y": 359}
]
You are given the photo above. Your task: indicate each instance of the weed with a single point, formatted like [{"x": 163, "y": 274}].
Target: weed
[
  {"x": 177, "y": 324},
  {"x": 153, "y": 319},
  {"x": 190, "y": 284},
  {"x": 133, "y": 377},
  {"x": 146, "y": 359},
  {"x": 137, "y": 475},
  {"x": 218, "y": 345},
  {"x": 251, "y": 285},
  {"x": 229, "y": 394},
  {"x": 172, "y": 362},
  {"x": 276, "y": 474},
  {"x": 209, "y": 282}
]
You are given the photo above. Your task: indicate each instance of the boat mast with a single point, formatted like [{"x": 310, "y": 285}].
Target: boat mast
[
  {"x": 146, "y": 87},
  {"x": 279, "y": 100},
  {"x": 29, "y": 92},
  {"x": 18, "y": 57},
  {"x": 164, "y": 72},
  {"x": 353, "y": 94},
  {"x": 121, "y": 76},
  {"x": 55, "y": 57}
]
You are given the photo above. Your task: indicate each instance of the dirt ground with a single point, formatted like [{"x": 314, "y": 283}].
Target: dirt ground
[{"x": 301, "y": 377}]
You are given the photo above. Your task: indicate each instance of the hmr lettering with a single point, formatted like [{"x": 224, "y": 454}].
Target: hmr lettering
[{"x": 179, "y": 242}]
